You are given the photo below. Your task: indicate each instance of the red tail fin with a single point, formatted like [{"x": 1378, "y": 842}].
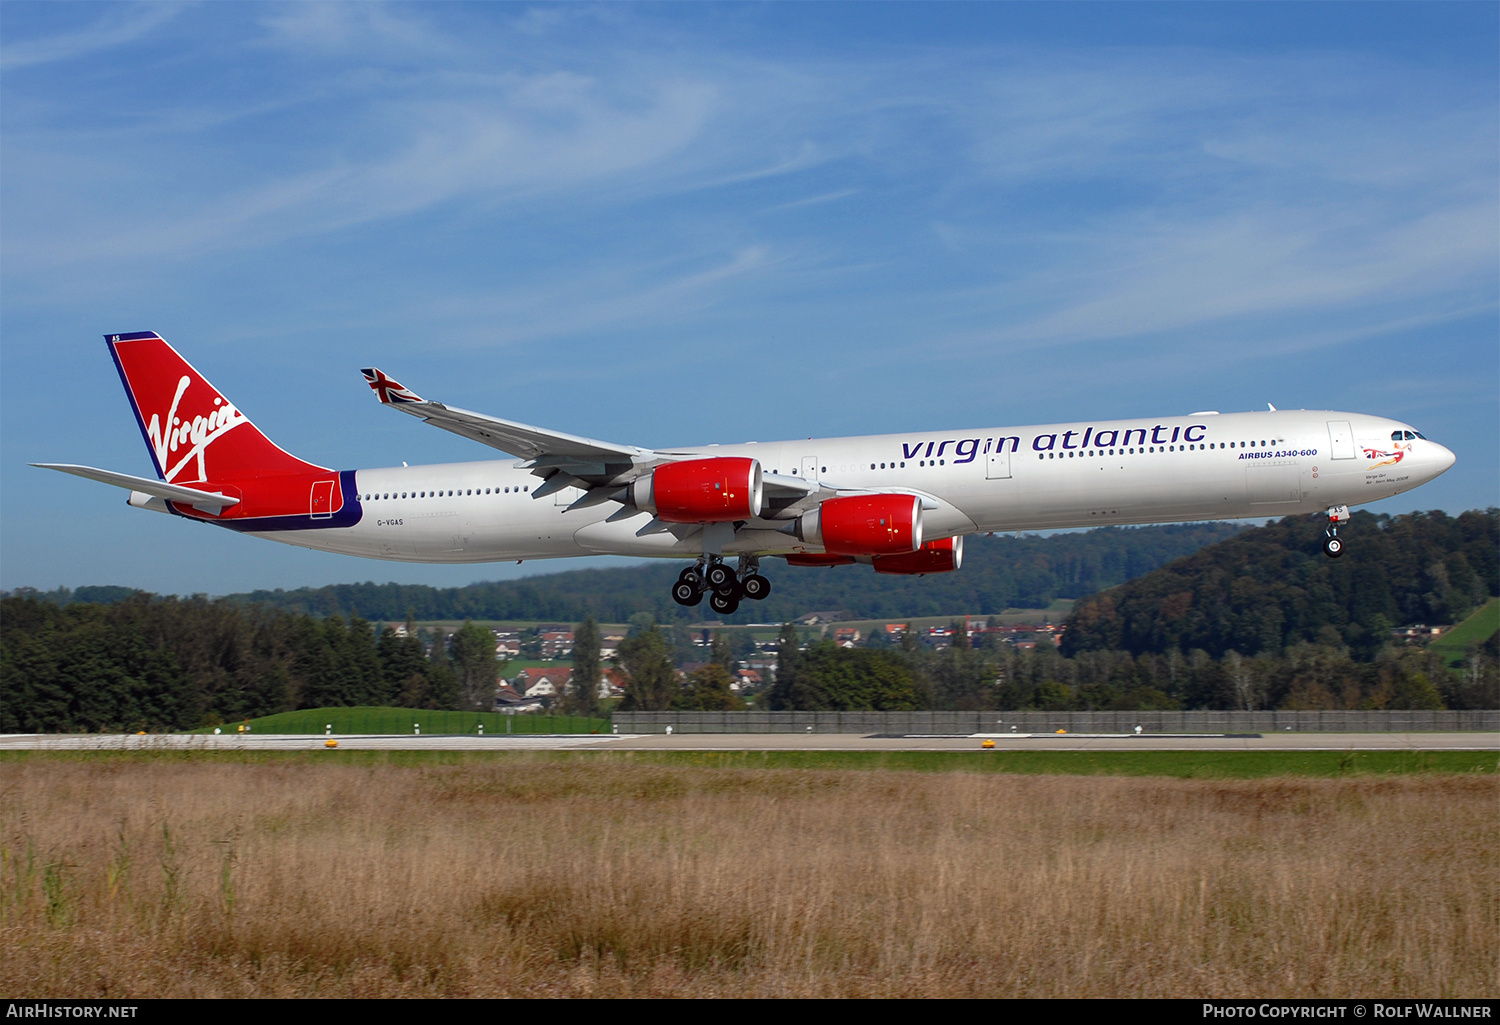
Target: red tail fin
[{"x": 193, "y": 432}]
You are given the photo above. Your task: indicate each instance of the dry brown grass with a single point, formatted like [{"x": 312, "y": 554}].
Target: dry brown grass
[{"x": 153, "y": 878}]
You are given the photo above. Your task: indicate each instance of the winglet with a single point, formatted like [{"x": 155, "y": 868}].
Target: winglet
[{"x": 389, "y": 392}]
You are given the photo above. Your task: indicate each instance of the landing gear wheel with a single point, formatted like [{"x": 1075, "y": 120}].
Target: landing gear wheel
[
  {"x": 720, "y": 577},
  {"x": 686, "y": 592},
  {"x": 1333, "y": 546},
  {"x": 723, "y": 604},
  {"x": 755, "y": 586},
  {"x": 691, "y": 576}
]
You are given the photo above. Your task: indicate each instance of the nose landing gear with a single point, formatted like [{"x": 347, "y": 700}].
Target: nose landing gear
[{"x": 1333, "y": 545}]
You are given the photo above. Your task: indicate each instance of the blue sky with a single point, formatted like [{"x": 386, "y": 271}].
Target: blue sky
[{"x": 675, "y": 224}]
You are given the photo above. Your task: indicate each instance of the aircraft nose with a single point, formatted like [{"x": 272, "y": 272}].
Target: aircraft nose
[{"x": 1442, "y": 458}]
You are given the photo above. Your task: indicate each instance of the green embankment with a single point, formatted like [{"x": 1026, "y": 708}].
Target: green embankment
[
  {"x": 1477, "y": 629},
  {"x": 367, "y": 719},
  {"x": 1172, "y": 764}
]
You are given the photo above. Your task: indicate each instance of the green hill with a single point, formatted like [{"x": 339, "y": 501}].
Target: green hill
[
  {"x": 1271, "y": 587},
  {"x": 1478, "y": 629}
]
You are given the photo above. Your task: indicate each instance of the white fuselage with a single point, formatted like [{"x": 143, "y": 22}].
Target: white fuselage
[{"x": 1202, "y": 467}]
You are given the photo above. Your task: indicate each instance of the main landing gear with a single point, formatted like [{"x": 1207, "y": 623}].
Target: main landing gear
[
  {"x": 725, "y": 586},
  {"x": 1333, "y": 545}
]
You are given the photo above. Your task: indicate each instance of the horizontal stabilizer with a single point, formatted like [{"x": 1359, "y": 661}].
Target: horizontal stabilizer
[{"x": 204, "y": 501}]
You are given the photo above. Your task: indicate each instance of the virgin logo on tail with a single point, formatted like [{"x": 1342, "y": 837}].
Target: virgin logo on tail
[
  {"x": 168, "y": 436},
  {"x": 181, "y": 414}
]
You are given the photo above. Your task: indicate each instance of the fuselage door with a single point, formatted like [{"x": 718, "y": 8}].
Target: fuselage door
[
  {"x": 998, "y": 465},
  {"x": 810, "y": 468},
  {"x": 1340, "y": 439},
  {"x": 322, "y": 499}
]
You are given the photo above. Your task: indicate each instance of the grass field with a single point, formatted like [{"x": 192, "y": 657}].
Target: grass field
[
  {"x": 345, "y": 874},
  {"x": 368, "y": 719},
  {"x": 1173, "y": 764},
  {"x": 1477, "y": 629}
]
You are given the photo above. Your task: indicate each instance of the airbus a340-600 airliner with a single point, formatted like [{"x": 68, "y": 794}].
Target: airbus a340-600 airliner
[{"x": 901, "y": 502}]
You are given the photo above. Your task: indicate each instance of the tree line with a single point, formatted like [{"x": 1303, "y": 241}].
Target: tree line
[
  {"x": 816, "y": 674},
  {"x": 169, "y": 663},
  {"x": 999, "y": 572},
  {"x": 1259, "y": 620}
]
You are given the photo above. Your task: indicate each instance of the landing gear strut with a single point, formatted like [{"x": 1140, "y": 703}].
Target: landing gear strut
[{"x": 1333, "y": 545}]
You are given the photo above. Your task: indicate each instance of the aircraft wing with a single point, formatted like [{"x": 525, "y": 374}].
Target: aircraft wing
[
  {"x": 599, "y": 468},
  {"x": 543, "y": 447}
]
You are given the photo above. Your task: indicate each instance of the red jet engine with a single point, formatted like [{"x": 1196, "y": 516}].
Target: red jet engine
[
  {"x": 701, "y": 490},
  {"x": 864, "y": 525},
  {"x": 941, "y": 556}
]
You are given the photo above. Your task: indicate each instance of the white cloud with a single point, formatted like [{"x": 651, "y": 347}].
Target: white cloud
[
  {"x": 122, "y": 25},
  {"x": 1202, "y": 188}
]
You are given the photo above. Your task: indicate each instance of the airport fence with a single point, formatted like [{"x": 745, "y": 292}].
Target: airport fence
[{"x": 966, "y": 723}]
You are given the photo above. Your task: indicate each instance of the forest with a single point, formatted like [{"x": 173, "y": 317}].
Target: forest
[{"x": 1260, "y": 619}]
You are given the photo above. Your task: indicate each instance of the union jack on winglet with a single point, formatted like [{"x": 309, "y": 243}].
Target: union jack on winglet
[{"x": 387, "y": 391}]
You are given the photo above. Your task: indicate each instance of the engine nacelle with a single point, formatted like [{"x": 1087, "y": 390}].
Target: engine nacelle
[
  {"x": 864, "y": 525},
  {"x": 701, "y": 490},
  {"x": 941, "y": 556}
]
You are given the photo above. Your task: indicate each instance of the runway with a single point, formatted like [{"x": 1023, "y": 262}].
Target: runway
[{"x": 759, "y": 742}]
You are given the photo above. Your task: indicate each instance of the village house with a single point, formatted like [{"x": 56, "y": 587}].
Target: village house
[
  {"x": 557, "y": 643},
  {"x": 846, "y": 636},
  {"x": 1418, "y": 633},
  {"x": 542, "y": 681}
]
